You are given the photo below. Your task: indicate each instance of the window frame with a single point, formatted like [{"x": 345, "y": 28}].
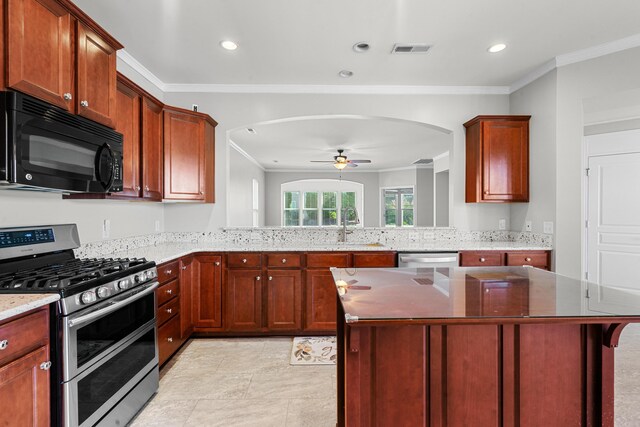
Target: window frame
[{"x": 399, "y": 210}]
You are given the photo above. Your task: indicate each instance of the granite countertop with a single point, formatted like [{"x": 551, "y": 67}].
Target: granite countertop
[
  {"x": 14, "y": 304},
  {"x": 169, "y": 251}
]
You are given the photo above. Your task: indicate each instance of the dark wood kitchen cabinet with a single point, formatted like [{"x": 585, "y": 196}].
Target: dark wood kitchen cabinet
[
  {"x": 533, "y": 258},
  {"x": 186, "y": 296},
  {"x": 128, "y": 124},
  {"x": 321, "y": 299},
  {"x": 55, "y": 52},
  {"x": 168, "y": 316},
  {"x": 188, "y": 155},
  {"x": 152, "y": 149},
  {"x": 497, "y": 159},
  {"x": 207, "y": 293},
  {"x": 244, "y": 300},
  {"x": 24, "y": 369},
  {"x": 284, "y": 299}
]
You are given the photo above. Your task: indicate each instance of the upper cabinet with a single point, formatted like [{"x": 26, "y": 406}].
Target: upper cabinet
[
  {"x": 40, "y": 38},
  {"x": 497, "y": 159},
  {"x": 189, "y": 140}
]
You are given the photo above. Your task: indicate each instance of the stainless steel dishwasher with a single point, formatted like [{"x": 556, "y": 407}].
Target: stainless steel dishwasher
[{"x": 427, "y": 259}]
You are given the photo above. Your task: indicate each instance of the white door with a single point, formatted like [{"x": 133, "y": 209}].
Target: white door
[{"x": 613, "y": 230}]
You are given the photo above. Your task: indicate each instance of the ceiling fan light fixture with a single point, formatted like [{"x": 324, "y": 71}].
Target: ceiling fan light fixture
[
  {"x": 340, "y": 165},
  {"x": 229, "y": 45}
]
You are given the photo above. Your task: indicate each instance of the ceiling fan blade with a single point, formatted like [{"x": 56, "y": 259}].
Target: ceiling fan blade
[
  {"x": 321, "y": 161},
  {"x": 359, "y": 161},
  {"x": 352, "y": 165}
]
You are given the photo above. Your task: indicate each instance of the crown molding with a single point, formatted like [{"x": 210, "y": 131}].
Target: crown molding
[
  {"x": 337, "y": 89},
  {"x": 556, "y": 62},
  {"x": 247, "y": 155}
]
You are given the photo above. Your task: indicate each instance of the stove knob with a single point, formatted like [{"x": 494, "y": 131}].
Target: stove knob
[
  {"x": 149, "y": 275},
  {"x": 138, "y": 278},
  {"x": 88, "y": 297},
  {"x": 123, "y": 284},
  {"x": 103, "y": 292}
]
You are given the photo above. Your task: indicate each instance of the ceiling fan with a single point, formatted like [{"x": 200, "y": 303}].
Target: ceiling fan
[{"x": 340, "y": 161}]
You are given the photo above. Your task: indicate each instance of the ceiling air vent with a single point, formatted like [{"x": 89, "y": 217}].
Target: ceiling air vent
[
  {"x": 410, "y": 48},
  {"x": 423, "y": 162}
]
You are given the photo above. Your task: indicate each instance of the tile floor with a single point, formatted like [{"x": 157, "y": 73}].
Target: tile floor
[{"x": 223, "y": 382}]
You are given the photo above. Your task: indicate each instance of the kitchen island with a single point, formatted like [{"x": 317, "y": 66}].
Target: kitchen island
[{"x": 477, "y": 346}]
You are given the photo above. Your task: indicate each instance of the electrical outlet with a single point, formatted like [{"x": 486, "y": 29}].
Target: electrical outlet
[
  {"x": 547, "y": 227},
  {"x": 429, "y": 235},
  {"x": 106, "y": 228},
  {"x": 414, "y": 236},
  {"x": 528, "y": 226},
  {"x": 157, "y": 225},
  {"x": 502, "y": 224}
]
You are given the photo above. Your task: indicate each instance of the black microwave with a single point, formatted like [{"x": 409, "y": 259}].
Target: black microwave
[{"x": 43, "y": 147}]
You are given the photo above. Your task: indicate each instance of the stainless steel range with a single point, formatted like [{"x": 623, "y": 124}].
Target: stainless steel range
[{"x": 104, "y": 329}]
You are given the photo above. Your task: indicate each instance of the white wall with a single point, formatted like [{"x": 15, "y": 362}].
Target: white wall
[
  {"x": 425, "y": 197},
  {"x": 538, "y": 99},
  {"x": 239, "y": 110},
  {"x": 240, "y": 200},
  {"x": 274, "y": 180}
]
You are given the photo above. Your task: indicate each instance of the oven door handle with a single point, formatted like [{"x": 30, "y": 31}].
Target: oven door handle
[{"x": 112, "y": 307}]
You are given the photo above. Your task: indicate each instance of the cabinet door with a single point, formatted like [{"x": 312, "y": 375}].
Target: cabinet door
[
  {"x": 184, "y": 156},
  {"x": 186, "y": 297},
  {"x": 128, "y": 124},
  {"x": 207, "y": 292},
  {"x": 152, "y": 162},
  {"x": 24, "y": 390},
  {"x": 284, "y": 300},
  {"x": 39, "y": 56},
  {"x": 505, "y": 158},
  {"x": 321, "y": 300},
  {"x": 244, "y": 300},
  {"x": 95, "y": 77}
]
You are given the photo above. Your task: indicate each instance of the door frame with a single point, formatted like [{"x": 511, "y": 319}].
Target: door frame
[{"x": 596, "y": 145}]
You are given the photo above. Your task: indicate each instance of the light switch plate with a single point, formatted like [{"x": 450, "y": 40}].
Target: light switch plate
[
  {"x": 429, "y": 235},
  {"x": 157, "y": 225},
  {"x": 547, "y": 227},
  {"x": 502, "y": 224},
  {"x": 528, "y": 226},
  {"x": 106, "y": 228}
]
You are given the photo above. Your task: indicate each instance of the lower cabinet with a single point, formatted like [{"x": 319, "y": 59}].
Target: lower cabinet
[
  {"x": 539, "y": 259},
  {"x": 321, "y": 300},
  {"x": 206, "y": 301},
  {"x": 244, "y": 300},
  {"x": 169, "y": 299},
  {"x": 169, "y": 338},
  {"x": 284, "y": 300},
  {"x": 186, "y": 297},
  {"x": 24, "y": 370}
]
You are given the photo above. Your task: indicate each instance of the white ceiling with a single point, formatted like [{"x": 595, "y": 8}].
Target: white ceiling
[
  {"x": 388, "y": 143},
  {"x": 307, "y": 42}
]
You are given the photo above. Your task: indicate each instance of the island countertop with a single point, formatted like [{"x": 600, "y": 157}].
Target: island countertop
[{"x": 477, "y": 295}]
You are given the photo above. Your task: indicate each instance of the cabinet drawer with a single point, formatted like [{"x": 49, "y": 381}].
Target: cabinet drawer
[
  {"x": 167, "y": 311},
  {"x": 480, "y": 259},
  {"x": 167, "y": 292},
  {"x": 168, "y": 271},
  {"x": 282, "y": 260},
  {"x": 374, "y": 259},
  {"x": 168, "y": 338},
  {"x": 243, "y": 260},
  {"x": 24, "y": 334},
  {"x": 335, "y": 259},
  {"x": 535, "y": 259}
]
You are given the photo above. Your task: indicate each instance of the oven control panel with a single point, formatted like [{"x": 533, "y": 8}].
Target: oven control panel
[{"x": 105, "y": 291}]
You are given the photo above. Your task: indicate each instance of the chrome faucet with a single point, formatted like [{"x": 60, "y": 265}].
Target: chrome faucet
[{"x": 343, "y": 233}]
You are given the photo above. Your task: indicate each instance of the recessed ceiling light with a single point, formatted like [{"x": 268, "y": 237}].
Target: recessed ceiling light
[
  {"x": 228, "y": 44},
  {"x": 345, "y": 73},
  {"x": 361, "y": 47},
  {"x": 252, "y": 131},
  {"x": 497, "y": 48}
]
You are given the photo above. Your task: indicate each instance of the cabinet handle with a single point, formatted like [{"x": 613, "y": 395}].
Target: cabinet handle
[
  {"x": 4, "y": 344},
  {"x": 217, "y": 262},
  {"x": 168, "y": 271},
  {"x": 146, "y": 188},
  {"x": 138, "y": 188},
  {"x": 67, "y": 96},
  {"x": 169, "y": 311},
  {"x": 169, "y": 291},
  {"x": 84, "y": 104},
  {"x": 270, "y": 278},
  {"x": 486, "y": 192},
  {"x": 45, "y": 365},
  {"x": 244, "y": 260},
  {"x": 527, "y": 259},
  {"x": 284, "y": 260},
  {"x": 482, "y": 260},
  {"x": 184, "y": 267},
  {"x": 258, "y": 278},
  {"x": 201, "y": 193},
  {"x": 170, "y": 339}
]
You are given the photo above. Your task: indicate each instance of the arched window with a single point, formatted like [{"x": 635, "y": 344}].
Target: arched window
[{"x": 321, "y": 203}]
